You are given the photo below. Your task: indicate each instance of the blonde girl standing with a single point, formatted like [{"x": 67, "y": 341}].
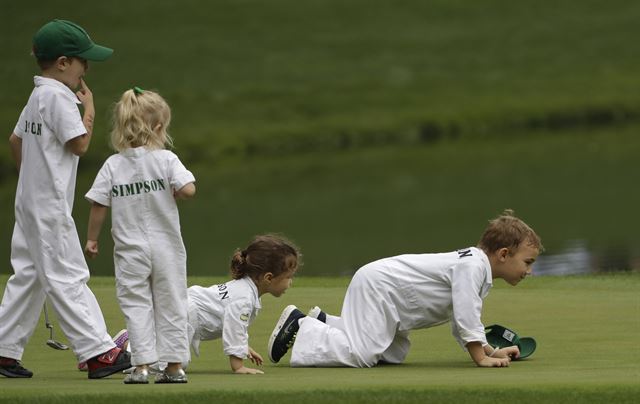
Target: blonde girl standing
[{"x": 141, "y": 184}]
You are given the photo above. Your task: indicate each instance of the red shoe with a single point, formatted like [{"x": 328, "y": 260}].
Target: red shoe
[
  {"x": 110, "y": 362},
  {"x": 13, "y": 368}
]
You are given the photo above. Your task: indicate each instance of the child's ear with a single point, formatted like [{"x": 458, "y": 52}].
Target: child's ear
[
  {"x": 268, "y": 277},
  {"x": 62, "y": 62},
  {"x": 503, "y": 253}
]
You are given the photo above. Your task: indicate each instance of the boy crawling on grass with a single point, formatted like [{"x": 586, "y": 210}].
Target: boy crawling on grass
[{"x": 390, "y": 297}]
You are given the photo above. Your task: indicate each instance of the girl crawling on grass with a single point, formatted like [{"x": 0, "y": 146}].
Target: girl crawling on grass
[{"x": 226, "y": 310}]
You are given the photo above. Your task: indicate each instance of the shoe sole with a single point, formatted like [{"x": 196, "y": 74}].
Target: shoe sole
[
  {"x": 12, "y": 375},
  {"x": 120, "y": 344},
  {"x": 171, "y": 382},
  {"x": 283, "y": 318},
  {"x": 108, "y": 371}
]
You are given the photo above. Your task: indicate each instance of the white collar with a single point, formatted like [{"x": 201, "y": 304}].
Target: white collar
[
  {"x": 46, "y": 81},
  {"x": 135, "y": 151},
  {"x": 487, "y": 265},
  {"x": 254, "y": 288}
]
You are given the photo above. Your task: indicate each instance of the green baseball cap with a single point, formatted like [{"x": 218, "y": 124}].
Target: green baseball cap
[
  {"x": 65, "y": 38},
  {"x": 502, "y": 337}
]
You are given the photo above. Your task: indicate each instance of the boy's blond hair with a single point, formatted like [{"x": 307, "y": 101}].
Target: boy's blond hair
[
  {"x": 135, "y": 119},
  {"x": 508, "y": 231}
]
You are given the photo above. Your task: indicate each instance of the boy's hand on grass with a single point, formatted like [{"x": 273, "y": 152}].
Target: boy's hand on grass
[
  {"x": 489, "y": 362},
  {"x": 248, "y": 371},
  {"x": 255, "y": 357},
  {"x": 511, "y": 352},
  {"x": 237, "y": 366},
  {"x": 91, "y": 248}
]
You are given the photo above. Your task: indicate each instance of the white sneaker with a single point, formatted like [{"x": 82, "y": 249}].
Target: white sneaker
[{"x": 318, "y": 314}]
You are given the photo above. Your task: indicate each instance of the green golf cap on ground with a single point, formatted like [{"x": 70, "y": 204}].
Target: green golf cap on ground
[
  {"x": 65, "y": 38},
  {"x": 502, "y": 337}
]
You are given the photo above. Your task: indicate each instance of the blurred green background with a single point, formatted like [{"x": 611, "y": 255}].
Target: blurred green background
[{"x": 362, "y": 129}]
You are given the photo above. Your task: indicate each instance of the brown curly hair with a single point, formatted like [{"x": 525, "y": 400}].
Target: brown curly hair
[
  {"x": 508, "y": 231},
  {"x": 266, "y": 253}
]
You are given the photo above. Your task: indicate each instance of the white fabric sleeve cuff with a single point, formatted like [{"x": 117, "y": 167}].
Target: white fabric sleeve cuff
[
  {"x": 240, "y": 351},
  {"x": 97, "y": 197},
  {"x": 79, "y": 131},
  {"x": 184, "y": 179}
]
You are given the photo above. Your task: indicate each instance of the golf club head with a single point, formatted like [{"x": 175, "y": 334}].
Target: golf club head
[{"x": 57, "y": 345}]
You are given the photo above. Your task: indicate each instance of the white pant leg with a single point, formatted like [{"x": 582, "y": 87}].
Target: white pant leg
[
  {"x": 398, "y": 350},
  {"x": 64, "y": 277},
  {"x": 133, "y": 287},
  {"x": 56, "y": 259},
  {"x": 334, "y": 321},
  {"x": 320, "y": 345},
  {"x": 194, "y": 342},
  {"x": 22, "y": 300},
  {"x": 169, "y": 285},
  {"x": 370, "y": 323}
]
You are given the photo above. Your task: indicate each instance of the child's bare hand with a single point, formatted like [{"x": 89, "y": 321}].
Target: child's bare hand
[
  {"x": 248, "y": 371},
  {"x": 489, "y": 362},
  {"x": 511, "y": 352},
  {"x": 84, "y": 94},
  {"x": 255, "y": 357},
  {"x": 91, "y": 248}
]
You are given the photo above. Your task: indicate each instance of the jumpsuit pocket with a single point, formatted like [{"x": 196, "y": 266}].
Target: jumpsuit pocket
[{"x": 409, "y": 296}]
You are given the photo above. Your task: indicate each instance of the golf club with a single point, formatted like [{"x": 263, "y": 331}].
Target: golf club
[{"x": 51, "y": 342}]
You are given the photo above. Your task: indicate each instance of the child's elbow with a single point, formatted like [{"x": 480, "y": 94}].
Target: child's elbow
[
  {"x": 78, "y": 146},
  {"x": 80, "y": 151},
  {"x": 188, "y": 191}
]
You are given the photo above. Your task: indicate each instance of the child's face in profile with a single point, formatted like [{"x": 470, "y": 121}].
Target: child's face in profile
[
  {"x": 279, "y": 284},
  {"x": 74, "y": 70},
  {"x": 518, "y": 265}
]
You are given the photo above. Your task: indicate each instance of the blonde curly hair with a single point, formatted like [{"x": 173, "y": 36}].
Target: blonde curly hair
[{"x": 141, "y": 118}]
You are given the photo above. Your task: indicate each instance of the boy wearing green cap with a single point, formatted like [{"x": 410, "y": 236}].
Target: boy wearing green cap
[{"x": 46, "y": 254}]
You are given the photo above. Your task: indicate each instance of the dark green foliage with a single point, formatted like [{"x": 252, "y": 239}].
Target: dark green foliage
[{"x": 367, "y": 128}]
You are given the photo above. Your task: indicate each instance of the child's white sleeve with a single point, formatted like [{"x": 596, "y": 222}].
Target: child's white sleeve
[
  {"x": 235, "y": 328},
  {"x": 100, "y": 191},
  {"x": 466, "y": 286},
  {"x": 179, "y": 176},
  {"x": 19, "y": 130},
  {"x": 61, "y": 114}
]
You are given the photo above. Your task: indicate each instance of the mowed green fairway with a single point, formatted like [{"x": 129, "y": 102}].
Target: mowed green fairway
[{"x": 586, "y": 327}]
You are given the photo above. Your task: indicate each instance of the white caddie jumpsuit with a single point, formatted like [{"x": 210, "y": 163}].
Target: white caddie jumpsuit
[
  {"x": 388, "y": 298},
  {"x": 224, "y": 311},
  {"x": 46, "y": 254},
  {"x": 149, "y": 255}
]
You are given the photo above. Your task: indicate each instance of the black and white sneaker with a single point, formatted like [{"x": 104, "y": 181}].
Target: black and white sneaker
[
  {"x": 13, "y": 368},
  {"x": 318, "y": 314},
  {"x": 284, "y": 334}
]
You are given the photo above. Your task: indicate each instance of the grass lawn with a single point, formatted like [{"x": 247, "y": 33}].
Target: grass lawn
[{"x": 586, "y": 328}]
